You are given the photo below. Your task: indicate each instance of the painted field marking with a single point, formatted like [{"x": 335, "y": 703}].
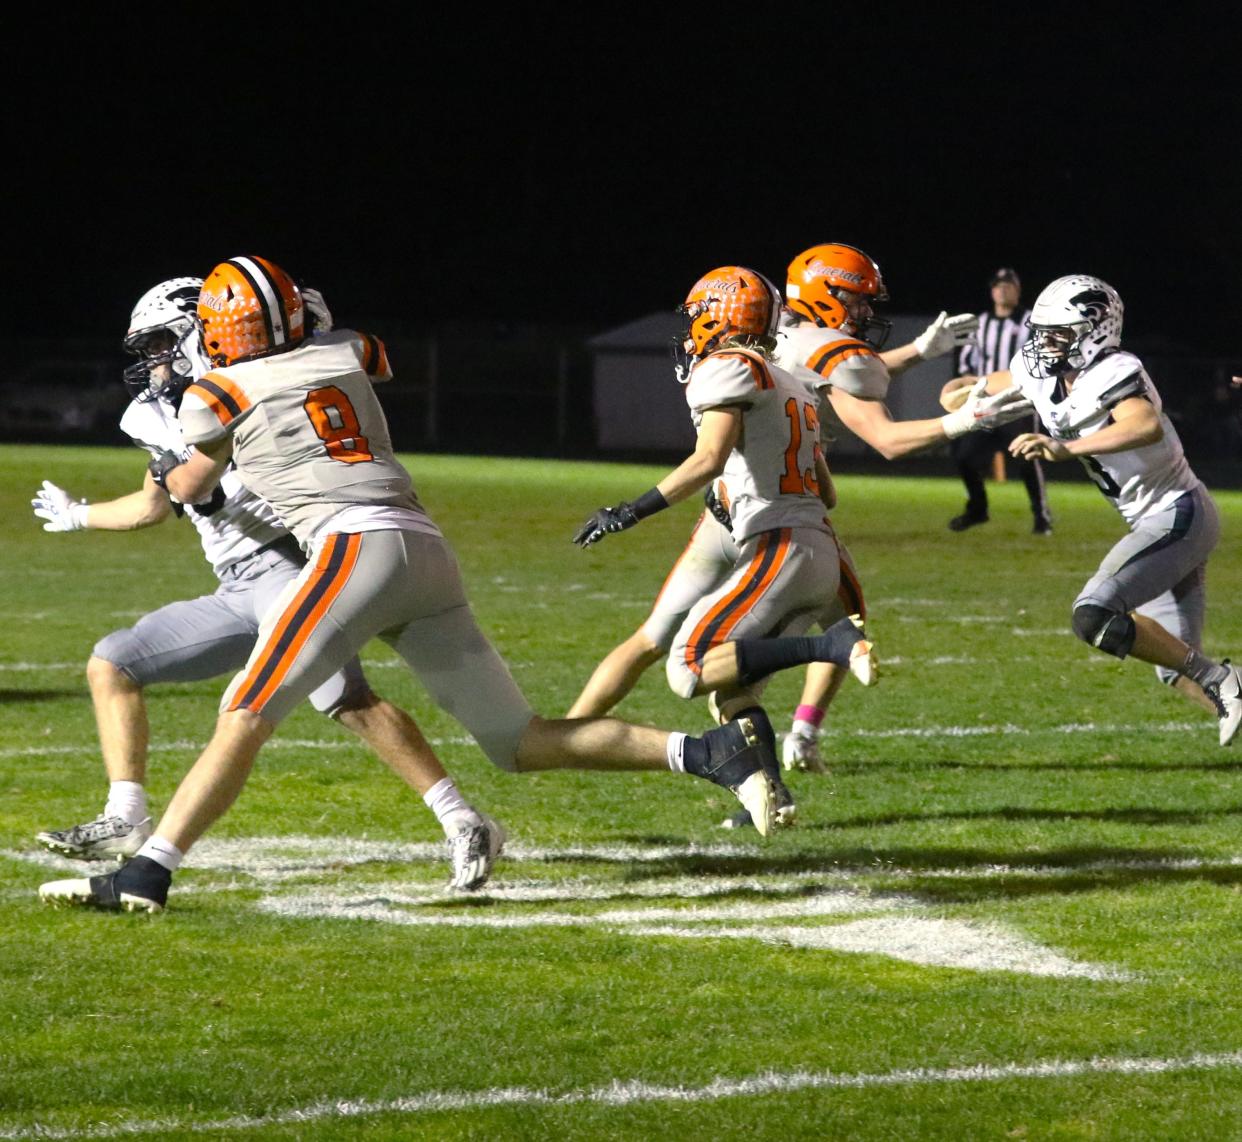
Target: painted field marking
[
  {"x": 633, "y": 1092},
  {"x": 901, "y": 926},
  {"x": 283, "y": 857},
  {"x": 926, "y": 941},
  {"x": 278, "y": 743}
]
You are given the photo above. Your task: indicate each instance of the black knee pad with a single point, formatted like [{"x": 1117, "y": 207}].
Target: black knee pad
[{"x": 1111, "y": 631}]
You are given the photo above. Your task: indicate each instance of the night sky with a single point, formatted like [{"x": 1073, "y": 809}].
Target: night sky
[{"x": 533, "y": 166}]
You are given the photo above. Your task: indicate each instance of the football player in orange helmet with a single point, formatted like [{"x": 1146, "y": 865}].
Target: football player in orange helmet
[
  {"x": 254, "y": 558},
  {"x": 834, "y": 287},
  {"x": 249, "y": 307},
  {"x": 758, "y": 446},
  {"x": 300, "y": 424},
  {"x": 828, "y": 342}
]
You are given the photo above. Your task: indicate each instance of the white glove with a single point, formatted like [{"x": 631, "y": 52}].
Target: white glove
[
  {"x": 321, "y": 315},
  {"x": 980, "y": 411},
  {"x": 945, "y": 334},
  {"x": 59, "y": 508}
]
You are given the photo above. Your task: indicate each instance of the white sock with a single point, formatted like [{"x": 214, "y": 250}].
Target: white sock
[
  {"x": 804, "y": 729},
  {"x": 675, "y": 750},
  {"x": 162, "y": 852},
  {"x": 452, "y": 810},
  {"x": 127, "y": 800}
]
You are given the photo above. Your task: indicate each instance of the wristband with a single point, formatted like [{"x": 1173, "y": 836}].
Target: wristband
[{"x": 648, "y": 504}]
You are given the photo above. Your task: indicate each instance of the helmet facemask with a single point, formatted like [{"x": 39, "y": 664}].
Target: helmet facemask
[
  {"x": 1074, "y": 320},
  {"x": 1054, "y": 350},
  {"x": 166, "y": 363},
  {"x": 166, "y": 337}
]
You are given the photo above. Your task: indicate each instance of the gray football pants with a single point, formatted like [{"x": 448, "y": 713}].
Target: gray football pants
[
  {"x": 195, "y": 639},
  {"x": 1160, "y": 569},
  {"x": 405, "y": 588}
]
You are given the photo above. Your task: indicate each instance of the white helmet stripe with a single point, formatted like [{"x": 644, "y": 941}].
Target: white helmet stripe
[{"x": 267, "y": 293}]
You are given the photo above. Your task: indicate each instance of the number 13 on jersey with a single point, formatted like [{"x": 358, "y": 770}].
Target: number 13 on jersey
[{"x": 796, "y": 480}]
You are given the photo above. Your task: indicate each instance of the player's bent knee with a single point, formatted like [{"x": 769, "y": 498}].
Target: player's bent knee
[
  {"x": 118, "y": 651},
  {"x": 682, "y": 679},
  {"x": 356, "y": 703},
  {"x": 104, "y": 672},
  {"x": 1110, "y": 631}
]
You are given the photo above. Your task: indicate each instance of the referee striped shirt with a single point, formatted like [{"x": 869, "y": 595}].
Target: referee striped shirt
[{"x": 994, "y": 346}]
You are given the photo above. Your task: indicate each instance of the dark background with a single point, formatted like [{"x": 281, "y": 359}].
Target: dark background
[{"x": 579, "y": 171}]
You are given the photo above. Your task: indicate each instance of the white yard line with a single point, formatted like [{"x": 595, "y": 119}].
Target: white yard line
[
  {"x": 281, "y": 857},
  {"x": 91, "y": 749},
  {"x": 634, "y": 1092}
]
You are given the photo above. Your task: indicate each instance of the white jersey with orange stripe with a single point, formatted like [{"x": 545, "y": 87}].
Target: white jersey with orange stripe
[
  {"x": 234, "y": 523},
  {"x": 1139, "y": 481},
  {"x": 309, "y": 435},
  {"x": 769, "y": 479},
  {"x": 824, "y": 358}
]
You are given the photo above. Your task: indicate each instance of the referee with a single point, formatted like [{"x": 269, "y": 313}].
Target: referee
[{"x": 1001, "y": 334}]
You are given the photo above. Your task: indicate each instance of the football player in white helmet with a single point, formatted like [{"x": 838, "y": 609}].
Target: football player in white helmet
[
  {"x": 1148, "y": 597},
  {"x": 255, "y": 558}
]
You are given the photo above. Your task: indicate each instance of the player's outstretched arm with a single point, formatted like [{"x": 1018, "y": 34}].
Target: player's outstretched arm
[
  {"x": 955, "y": 392},
  {"x": 873, "y": 423},
  {"x": 719, "y": 431},
  {"x": 1136, "y": 424},
  {"x": 143, "y": 508},
  {"x": 942, "y": 336}
]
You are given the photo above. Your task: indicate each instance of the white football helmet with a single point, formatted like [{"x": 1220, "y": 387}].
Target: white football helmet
[
  {"x": 1073, "y": 321},
  {"x": 164, "y": 330}
]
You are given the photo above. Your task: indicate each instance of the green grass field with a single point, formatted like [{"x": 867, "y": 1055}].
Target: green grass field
[{"x": 1012, "y": 910}]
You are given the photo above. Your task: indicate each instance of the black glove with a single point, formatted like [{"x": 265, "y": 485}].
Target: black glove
[
  {"x": 604, "y": 521},
  {"x": 717, "y": 508},
  {"x": 161, "y": 465}
]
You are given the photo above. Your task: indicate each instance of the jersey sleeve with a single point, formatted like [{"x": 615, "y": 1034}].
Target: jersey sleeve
[
  {"x": 143, "y": 426},
  {"x": 211, "y": 409},
  {"x": 727, "y": 379},
  {"x": 851, "y": 365},
  {"x": 1119, "y": 377},
  {"x": 373, "y": 357}
]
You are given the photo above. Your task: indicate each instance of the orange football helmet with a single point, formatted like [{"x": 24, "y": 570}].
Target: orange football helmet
[
  {"x": 731, "y": 301},
  {"x": 250, "y": 308},
  {"x": 817, "y": 278}
]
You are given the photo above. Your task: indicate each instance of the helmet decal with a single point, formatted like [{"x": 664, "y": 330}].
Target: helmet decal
[{"x": 1074, "y": 321}]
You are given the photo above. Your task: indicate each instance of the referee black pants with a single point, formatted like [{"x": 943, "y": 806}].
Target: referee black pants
[{"x": 973, "y": 454}]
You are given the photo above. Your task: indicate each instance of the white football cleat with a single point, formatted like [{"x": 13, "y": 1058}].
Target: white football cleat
[
  {"x": 104, "y": 838},
  {"x": 1227, "y": 697},
  {"x": 472, "y": 851},
  {"x": 802, "y": 752},
  {"x": 758, "y": 797}
]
